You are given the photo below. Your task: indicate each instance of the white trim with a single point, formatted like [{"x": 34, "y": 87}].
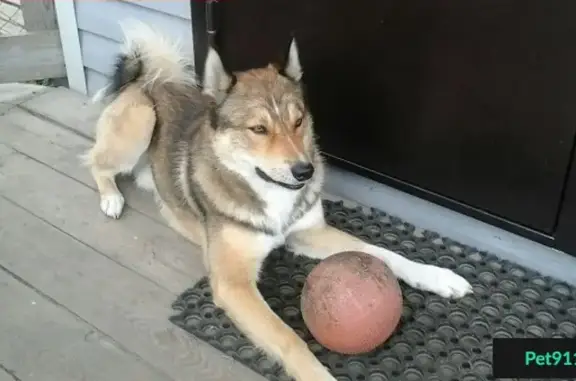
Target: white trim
[{"x": 70, "y": 39}]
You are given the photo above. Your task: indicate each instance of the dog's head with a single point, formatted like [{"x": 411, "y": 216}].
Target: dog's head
[{"x": 262, "y": 126}]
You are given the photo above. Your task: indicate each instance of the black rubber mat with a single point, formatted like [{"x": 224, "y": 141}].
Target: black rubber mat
[{"x": 437, "y": 339}]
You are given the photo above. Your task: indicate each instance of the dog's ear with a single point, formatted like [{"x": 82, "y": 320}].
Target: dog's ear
[
  {"x": 293, "y": 69},
  {"x": 217, "y": 80}
]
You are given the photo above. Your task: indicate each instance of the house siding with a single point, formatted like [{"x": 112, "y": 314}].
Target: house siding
[{"x": 100, "y": 34}]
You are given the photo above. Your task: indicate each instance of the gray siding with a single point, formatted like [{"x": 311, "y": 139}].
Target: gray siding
[{"x": 100, "y": 34}]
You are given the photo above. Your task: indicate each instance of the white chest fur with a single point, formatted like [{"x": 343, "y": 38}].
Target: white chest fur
[
  {"x": 279, "y": 205},
  {"x": 279, "y": 214}
]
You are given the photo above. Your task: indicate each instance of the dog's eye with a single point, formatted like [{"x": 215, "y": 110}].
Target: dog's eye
[
  {"x": 260, "y": 130},
  {"x": 298, "y": 122}
]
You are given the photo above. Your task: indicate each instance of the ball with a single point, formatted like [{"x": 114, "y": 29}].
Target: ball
[{"x": 351, "y": 302}]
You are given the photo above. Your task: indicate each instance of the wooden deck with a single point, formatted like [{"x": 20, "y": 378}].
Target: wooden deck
[{"x": 83, "y": 297}]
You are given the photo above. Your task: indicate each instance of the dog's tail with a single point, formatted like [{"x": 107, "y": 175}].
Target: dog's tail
[{"x": 149, "y": 59}]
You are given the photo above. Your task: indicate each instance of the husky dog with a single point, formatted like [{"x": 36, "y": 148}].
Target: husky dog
[{"x": 235, "y": 169}]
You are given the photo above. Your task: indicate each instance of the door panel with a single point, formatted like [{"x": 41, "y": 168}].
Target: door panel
[{"x": 474, "y": 101}]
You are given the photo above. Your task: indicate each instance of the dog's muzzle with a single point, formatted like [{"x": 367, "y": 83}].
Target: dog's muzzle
[{"x": 269, "y": 179}]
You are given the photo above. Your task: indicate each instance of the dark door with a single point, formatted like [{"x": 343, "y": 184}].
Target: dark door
[{"x": 473, "y": 101}]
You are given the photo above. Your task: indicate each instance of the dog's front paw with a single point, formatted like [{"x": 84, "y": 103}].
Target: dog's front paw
[
  {"x": 112, "y": 204},
  {"x": 438, "y": 280}
]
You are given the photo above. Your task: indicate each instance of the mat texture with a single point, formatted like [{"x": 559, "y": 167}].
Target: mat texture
[{"x": 437, "y": 339}]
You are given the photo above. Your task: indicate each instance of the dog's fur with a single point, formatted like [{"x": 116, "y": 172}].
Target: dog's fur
[{"x": 219, "y": 158}]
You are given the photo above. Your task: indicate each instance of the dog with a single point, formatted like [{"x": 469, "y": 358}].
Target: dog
[{"x": 235, "y": 169}]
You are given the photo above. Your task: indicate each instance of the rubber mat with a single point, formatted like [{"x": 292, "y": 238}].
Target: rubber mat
[{"x": 437, "y": 339}]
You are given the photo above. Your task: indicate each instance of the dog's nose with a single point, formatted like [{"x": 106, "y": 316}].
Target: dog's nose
[{"x": 302, "y": 171}]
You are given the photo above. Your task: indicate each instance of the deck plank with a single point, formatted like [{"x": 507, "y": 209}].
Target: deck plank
[
  {"x": 38, "y": 336},
  {"x": 59, "y": 148},
  {"x": 135, "y": 241},
  {"x": 79, "y": 114},
  {"x": 12, "y": 94},
  {"x": 5, "y": 376},
  {"x": 91, "y": 265},
  {"x": 115, "y": 300},
  {"x": 16, "y": 93}
]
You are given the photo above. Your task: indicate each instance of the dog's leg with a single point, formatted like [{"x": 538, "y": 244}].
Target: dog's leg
[
  {"x": 313, "y": 237},
  {"x": 188, "y": 226},
  {"x": 236, "y": 256},
  {"x": 123, "y": 133},
  {"x": 111, "y": 199}
]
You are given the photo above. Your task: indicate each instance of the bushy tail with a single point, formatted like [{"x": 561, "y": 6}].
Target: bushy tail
[{"x": 149, "y": 59}]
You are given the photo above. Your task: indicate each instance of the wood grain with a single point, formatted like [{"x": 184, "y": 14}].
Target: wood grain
[
  {"x": 5, "y": 376},
  {"x": 78, "y": 114},
  {"x": 31, "y": 56},
  {"x": 16, "y": 93},
  {"x": 92, "y": 266},
  {"x": 41, "y": 340},
  {"x": 39, "y": 15},
  {"x": 29, "y": 134},
  {"x": 152, "y": 250},
  {"x": 115, "y": 300}
]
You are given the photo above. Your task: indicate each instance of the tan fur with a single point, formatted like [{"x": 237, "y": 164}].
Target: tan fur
[
  {"x": 236, "y": 258},
  {"x": 278, "y": 113},
  {"x": 119, "y": 144},
  {"x": 160, "y": 126},
  {"x": 116, "y": 133}
]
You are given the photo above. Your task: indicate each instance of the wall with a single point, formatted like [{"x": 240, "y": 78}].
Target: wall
[{"x": 100, "y": 34}]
